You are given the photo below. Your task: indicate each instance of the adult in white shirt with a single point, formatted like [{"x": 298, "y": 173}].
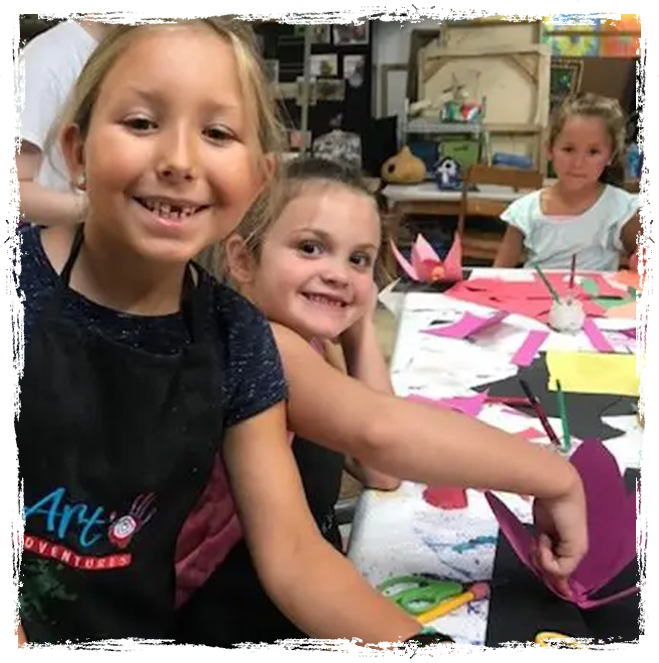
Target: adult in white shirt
[{"x": 53, "y": 60}]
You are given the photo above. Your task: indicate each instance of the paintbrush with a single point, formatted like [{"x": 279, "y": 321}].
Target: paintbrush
[
  {"x": 541, "y": 413},
  {"x": 548, "y": 285},
  {"x": 560, "y": 396},
  {"x": 573, "y": 269}
]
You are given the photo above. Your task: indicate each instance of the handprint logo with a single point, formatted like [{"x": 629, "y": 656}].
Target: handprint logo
[{"x": 123, "y": 529}]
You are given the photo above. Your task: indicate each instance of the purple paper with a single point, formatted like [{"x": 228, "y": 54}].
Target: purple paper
[
  {"x": 638, "y": 332},
  {"x": 611, "y": 528},
  {"x": 467, "y": 325},
  {"x": 529, "y": 349},
  {"x": 597, "y": 339}
]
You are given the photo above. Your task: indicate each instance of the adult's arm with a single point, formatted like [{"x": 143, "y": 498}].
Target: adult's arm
[{"x": 39, "y": 204}]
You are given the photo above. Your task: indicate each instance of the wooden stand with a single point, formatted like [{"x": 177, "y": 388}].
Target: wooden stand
[{"x": 647, "y": 409}]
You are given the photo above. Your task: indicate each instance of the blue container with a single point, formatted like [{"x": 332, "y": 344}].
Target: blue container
[{"x": 512, "y": 161}]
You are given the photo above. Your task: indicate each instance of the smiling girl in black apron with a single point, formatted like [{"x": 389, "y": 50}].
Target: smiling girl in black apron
[{"x": 141, "y": 369}]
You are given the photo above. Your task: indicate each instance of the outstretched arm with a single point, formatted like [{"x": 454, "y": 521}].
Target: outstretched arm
[
  {"x": 629, "y": 234},
  {"x": 312, "y": 584},
  {"x": 431, "y": 445},
  {"x": 22, "y": 640},
  {"x": 417, "y": 442}
]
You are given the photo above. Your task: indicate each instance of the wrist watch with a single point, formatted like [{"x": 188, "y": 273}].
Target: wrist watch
[{"x": 410, "y": 649}]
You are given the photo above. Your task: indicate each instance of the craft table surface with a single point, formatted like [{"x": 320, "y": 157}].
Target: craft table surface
[{"x": 396, "y": 534}]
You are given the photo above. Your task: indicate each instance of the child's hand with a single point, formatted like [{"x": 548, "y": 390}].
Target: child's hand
[
  {"x": 633, "y": 262},
  {"x": 363, "y": 327},
  {"x": 562, "y": 528}
]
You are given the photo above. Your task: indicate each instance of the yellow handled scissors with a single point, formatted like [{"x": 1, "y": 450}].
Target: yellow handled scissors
[{"x": 555, "y": 644}]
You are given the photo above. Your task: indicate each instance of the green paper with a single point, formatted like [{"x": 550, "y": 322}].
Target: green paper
[
  {"x": 613, "y": 303},
  {"x": 590, "y": 287}
]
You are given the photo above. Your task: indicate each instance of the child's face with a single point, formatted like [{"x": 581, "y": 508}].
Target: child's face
[
  {"x": 315, "y": 273},
  {"x": 168, "y": 158},
  {"x": 581, "y": 152}
]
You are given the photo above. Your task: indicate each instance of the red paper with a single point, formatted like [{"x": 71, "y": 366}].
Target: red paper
[
  {"x": 446, "y": 498},
  {"x": 611, "y": 528}
]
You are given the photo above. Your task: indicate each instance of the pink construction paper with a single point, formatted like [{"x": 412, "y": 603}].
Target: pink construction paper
[
  {"x": 611, "y": 528},
  {"x": 426, "y": 266},
  {"x": 531, "y": 434},
  {"x": 469, "y": 405},
  {"x": 529, "y": 349},
  {"x": 595, "y": 336},
  {"x": 467, "y": 325},
  {"x": 401, "y": 260}
]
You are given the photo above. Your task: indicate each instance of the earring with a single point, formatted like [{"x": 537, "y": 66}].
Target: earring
[{"x": 81, "y": 182}]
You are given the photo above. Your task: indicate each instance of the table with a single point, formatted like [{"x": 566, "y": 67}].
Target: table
[
  {"x": 396, "y": 534},
  {"x": 426, "y": 198}
]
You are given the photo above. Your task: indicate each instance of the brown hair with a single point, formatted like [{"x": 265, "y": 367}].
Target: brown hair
[
  {"x": 259, "y": 100},
  {"x": 298, "y": 174},
  {"x": 610, "y": 112}
]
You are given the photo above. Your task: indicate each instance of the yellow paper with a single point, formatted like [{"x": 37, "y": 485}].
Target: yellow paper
[{"x": 593, "y": 373}]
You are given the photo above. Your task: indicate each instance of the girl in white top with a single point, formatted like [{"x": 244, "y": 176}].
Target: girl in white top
[{"x": 585, "y": 212}]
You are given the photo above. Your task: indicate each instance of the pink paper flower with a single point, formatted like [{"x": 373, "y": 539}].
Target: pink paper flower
[{"x": 611, "y": 529}]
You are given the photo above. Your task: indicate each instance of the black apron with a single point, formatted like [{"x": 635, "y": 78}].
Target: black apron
[
  {"x": 232, "y": 607},
  {"x": 321, "y": 471},
  {"x": 115, "y": 447}
]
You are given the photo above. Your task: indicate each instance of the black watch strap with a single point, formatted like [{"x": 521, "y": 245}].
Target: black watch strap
[{"x": 420, "y": 641}]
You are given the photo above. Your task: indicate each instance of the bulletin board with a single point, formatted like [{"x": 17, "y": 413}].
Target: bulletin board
[
  {"x": 589, "y": 36},
  {"x": 341, "y": 73}
]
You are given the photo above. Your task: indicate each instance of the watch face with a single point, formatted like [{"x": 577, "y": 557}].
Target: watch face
[{"x": 430, "y": 638}]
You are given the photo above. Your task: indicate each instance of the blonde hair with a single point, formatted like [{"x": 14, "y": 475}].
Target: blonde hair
[
  {"x": 257, "y": 93},
  {"x": 610, "y": 112}
]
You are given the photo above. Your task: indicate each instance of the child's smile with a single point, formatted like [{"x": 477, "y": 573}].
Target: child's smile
[
  {"x": 315, "y": 273},
  {"x": 168, "y": 214}
]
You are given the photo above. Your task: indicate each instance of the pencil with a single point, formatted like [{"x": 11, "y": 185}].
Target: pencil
[
  {"x": 573, "y": 269},
  {"x": 549, "y": 286},
  {"x": 567, "y": 439},
  {"x": 541, "y": 413},
  {"x": 509, "y": 400}
]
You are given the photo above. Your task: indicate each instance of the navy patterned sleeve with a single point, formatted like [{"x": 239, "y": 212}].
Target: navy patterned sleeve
[{"x": 254, "y": 373}]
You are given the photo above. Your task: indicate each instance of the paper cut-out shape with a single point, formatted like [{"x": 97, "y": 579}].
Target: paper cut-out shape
[
  {"x": 426, "y": 265},
  {"x": 611, "y": 528},
  {"x": 527, "y": 298},
  {"x": 624, "y": 312},
  {"x": 596, "y": 337},
  {"x": 467, "y": 325},
  {"x": 593, "y": 373},
  {"x": 469, "y": 405},
  {"x": 529, "y": 349},
  {"x": 444, "y": 497},
  {"x": 628, "y": 278}
]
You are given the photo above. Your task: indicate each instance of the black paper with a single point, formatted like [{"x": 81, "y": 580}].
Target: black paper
[
  {"x": 584, "y": 411},
  {"x": 521, "y": 606}
]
